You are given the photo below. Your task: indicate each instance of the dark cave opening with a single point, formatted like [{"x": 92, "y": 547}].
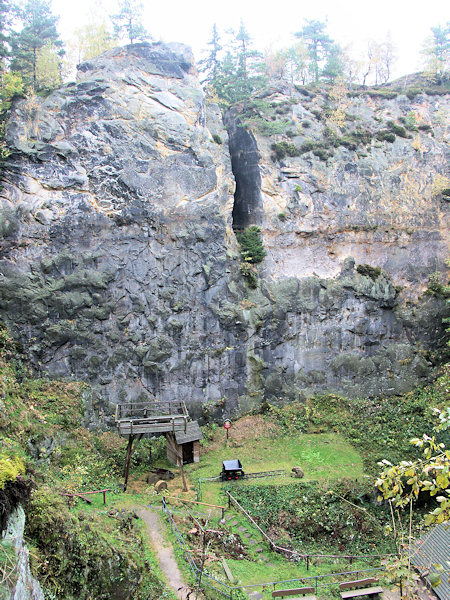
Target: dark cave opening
[{"x": 247, "y": 209}]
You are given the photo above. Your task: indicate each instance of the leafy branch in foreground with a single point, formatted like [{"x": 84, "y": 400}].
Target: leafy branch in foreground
[{"x": 404, "y": 482}]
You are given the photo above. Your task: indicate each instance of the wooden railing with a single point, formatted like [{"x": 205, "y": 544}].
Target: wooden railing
[{"x": 144, "y": 410}]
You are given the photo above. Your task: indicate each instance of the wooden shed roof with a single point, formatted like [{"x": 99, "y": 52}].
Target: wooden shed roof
[
  {"x": 433, "y": 548},
  {"x": 193, "y": 433}
]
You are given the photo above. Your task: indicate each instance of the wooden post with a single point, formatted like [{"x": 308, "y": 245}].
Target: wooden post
[
  {"x": 180, "y": 462},
  {"x": 104, "y": 498},
  {"x": 127, "y": 461},
  {"x": 307, "y": 562}
]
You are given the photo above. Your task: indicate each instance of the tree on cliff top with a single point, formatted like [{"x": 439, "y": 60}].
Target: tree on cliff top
[
  {"x": 437, "y": 52},
  {"x": 7, "y": 11},
  {"x": 317, "y": 42},
  {"x": 128, "y": 21},
  {"x": 210, "y": 65},
  {"x": 39, "y": 31},
  {"x": 240, "y": 73}
]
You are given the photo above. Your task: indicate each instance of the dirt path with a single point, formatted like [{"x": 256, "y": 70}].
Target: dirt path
[{"x": 164, "y": 552}]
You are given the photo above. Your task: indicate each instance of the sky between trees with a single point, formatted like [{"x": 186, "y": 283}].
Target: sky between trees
[{"x": 350, "y": 22}]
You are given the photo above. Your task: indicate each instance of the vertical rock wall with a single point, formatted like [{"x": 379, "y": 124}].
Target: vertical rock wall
[{"x": 119, "y": 265}]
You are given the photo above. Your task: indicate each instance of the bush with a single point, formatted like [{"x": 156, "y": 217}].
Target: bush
[
  {"x": 363, "y": 136},
  {"x": 283, "y": 149},
  {"x": 249, "y": 272},
  {"x": 424, "y": 127},
  {"x": 307, "y": 146},
  {"x": 369, "y": 271},
  {"x": 397, "y": 129},
  {"x": 387, "y": 94},
  {"x": 386, "y": 136},
  {"x": 216, "y": 138},
  {"x": 413, "y": 92},
  {"x": 252, "y": 249},
  {"x": 306, "y": 124}
]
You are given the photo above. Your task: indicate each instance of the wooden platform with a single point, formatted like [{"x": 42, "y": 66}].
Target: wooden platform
[
  {"x": 151, "y": 417},
  {"x": 136, "y": 419}
]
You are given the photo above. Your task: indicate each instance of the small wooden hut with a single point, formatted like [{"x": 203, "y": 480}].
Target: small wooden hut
[{"x": 185, "y": 444}]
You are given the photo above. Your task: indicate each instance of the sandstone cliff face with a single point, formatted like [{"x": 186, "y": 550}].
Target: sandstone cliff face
[{"x": 119, "y": 264}]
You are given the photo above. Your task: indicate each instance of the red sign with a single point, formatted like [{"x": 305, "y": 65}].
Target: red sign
[{"x": 227, "y": 424}]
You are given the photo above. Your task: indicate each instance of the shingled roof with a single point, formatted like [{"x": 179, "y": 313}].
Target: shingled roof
[
  {"x": 433, "y": 548},
  {"x": 193, "y": 433}
]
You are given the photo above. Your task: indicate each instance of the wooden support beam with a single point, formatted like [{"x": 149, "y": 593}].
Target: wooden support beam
[
  {"x": 128, "y": 457},
  {"x": 127, "y": 460}
]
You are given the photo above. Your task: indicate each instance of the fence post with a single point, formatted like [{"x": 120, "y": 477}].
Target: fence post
[
  {"x": 229, "y": 500},
  {"x": 307, "y": 562}
]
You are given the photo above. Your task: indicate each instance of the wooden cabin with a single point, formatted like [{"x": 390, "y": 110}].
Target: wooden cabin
[{"x": 185, "y": 444}]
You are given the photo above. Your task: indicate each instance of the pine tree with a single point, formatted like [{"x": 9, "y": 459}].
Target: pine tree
[
  {"x": 210, "y": 65},
  {"x": 7, "y": 12},
  {"x": 128, "y": 21},
  {"x": 334, "y": 66},
  {"x": 318, "y": 44},
  {"x": 437, "y": 52},
  {"x": 241, "y": 71},
  {"x": 38, "y": 31}
]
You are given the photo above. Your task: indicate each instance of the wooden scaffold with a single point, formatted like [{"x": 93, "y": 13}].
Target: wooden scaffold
[{"x": 136, "y": 419}]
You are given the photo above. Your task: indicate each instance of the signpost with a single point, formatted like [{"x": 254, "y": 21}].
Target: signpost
[{"x": 227, "y": 426}]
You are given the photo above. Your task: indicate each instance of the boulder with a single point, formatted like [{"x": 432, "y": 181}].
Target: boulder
[{"x": 297, "y": 472}]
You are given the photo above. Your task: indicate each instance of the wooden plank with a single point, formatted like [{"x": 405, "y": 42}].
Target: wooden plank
[
  {"x": 374, "y": 591},
  {"x": 293, "y": 592},
  {"x": 357, "y": 583},
  {"x": 195, "y": 502},
  {"x": 228, "y": 573},
  {"x": 160, "y": 428}
]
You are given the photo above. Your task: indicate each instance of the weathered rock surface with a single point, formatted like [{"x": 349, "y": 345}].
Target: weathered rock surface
[
  {"x": 25, "y": 586},
  {"x": 119, "y": 265}
]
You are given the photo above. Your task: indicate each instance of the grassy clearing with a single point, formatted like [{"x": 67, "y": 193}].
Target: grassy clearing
[
  {"x": 321, "y": 456},
  {"x": 261, "y": 445}
]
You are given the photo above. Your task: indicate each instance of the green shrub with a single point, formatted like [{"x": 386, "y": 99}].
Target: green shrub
[
  {"x": 413, "y": 92},
  {"x": 348, "y": 142},
  {"x": 307, "y": 146},
  {"x": 216, "y": 138},
  {"x": 363, "y": 136},
  {"x": 369, "y": 271},
  {"x": 306, "y": 124},
  {"x": 283, "y": 149},
  {"x": 424, "y": 127},
  {"x": 282, "y": 216},
  {"x": 322, "y": 153},
  {"x": 397, "y": 129},
  {"x": 446, "y": 192},
  {"x": 386, "y": 136},
  {"x": 252, "y": 248},
  {"x": 298, "y": 188},
  {"x": 436, "y": 287},
  {"x": 11, "y": 466},
  {"x": 249, "y": 272},
  {"x": 387, "y": 94}
]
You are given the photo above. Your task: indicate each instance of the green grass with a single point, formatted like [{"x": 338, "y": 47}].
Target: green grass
[
  {"x": 279, "y": 569},
  {"x": 323, "y": 457}
]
